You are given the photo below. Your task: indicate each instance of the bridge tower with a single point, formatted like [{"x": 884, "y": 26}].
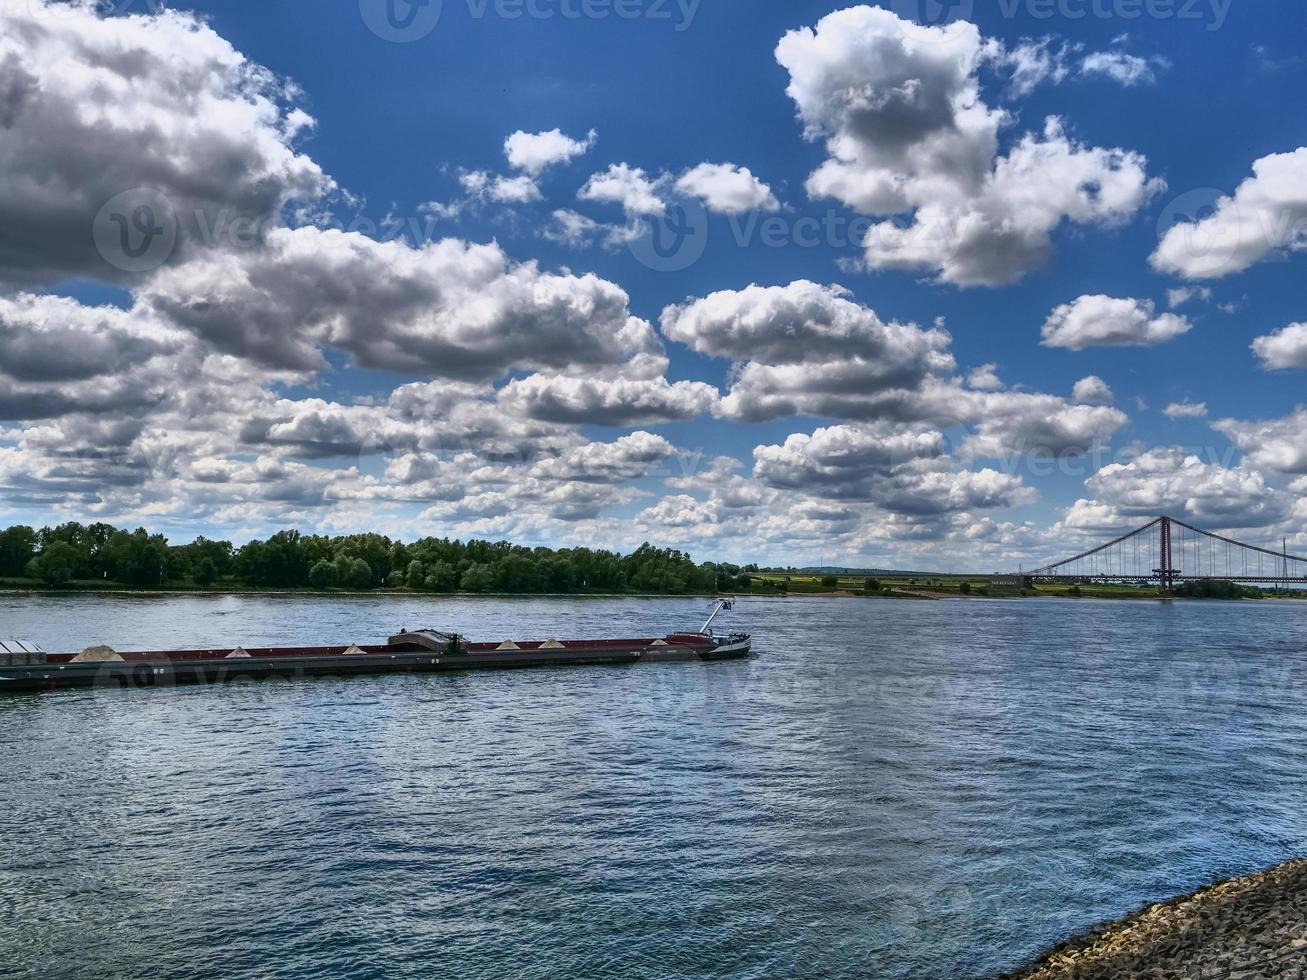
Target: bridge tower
[
  {"x": 1167, "y": 573},
  {"x": 1213, "y": 556}
]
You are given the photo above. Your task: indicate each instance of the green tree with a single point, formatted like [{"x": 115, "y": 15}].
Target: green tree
[
  {"x": 416, "y": 575},
  {"x": 76, "y": 537},
  {"x": 314, "y": 548},
  {"x": 343, "y": 568},
  {"x": 279, "y": 562},
  {"x": 56, "y": 564},
  {"x": 17, "y": 549},
  {"x": 136, "y": 557},
  {"x": 288, "y": 559},
  {"x": 286, "y": 565},
  {"x": 441, "y": 577},
  {"x": 965, "y": 588},
  {"x": 206, "y": 572},
  {"x": 361, "y": 575},
  {"x": 322, "y": 575},
  {"x": 371, "y": 548},
  {"x": 479, "y": 578},
  {"x": 249, "y": 563},
  {"x": 1217, "y": 590},
  {"x": 218, "y": 553},
  {"x": 518, "y": 573},
  {"x": 95, "y": 543}
]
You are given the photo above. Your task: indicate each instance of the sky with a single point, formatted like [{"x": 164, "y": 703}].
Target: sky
[{"x": 921, "y": 284}]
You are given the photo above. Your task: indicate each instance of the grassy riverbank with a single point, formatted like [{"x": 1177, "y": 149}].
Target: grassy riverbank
[
  {"x": 34, "y": 587},
  {"x": 973, "y": 586},
  {"x": 1255, "y": 926},
  {"x": 770, "y": 584}
]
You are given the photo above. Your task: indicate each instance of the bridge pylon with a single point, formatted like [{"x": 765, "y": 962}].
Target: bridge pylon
[
  {"x": 1166, "y": 572},
  {"x": 1207, "y": 556}
]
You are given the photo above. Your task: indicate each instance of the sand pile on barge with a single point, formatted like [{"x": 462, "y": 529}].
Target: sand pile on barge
[
  {"x": 1240, "y": 929},
  {"x": 97, "y": 655}
]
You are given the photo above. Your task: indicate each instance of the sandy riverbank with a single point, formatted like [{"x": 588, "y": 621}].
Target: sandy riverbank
[{"x": 1251, "y": 927}]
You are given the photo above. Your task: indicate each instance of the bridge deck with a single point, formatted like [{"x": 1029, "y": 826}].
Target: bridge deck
[{"x": 1161, "y": 551}]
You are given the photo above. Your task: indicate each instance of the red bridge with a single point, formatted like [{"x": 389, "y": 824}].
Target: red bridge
[{"x": 1167, "y": 551}]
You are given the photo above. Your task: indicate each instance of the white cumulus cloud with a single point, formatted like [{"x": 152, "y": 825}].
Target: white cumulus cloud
[
  {"x": 727, "y": 188},
  {"x": 808, "y": 349},
  {"x": 1284, "y": 349},
  {"x": 481, "y": 185},
  {"x": 1277, "y": 445},
  {"x": 1092, "y": 390},
  {"x": 1106, "y": 321},
  {"x": 1186, "y": 410},
  {"x": 905, "y": 469},
  {"x": 908, "y": 133},
  {"x": 534, "y": 153},
  {"x": 1267, "y": 213},
  {"x": 158, "y": 108},
  {"x": 627, "y": 186},
  {"x": 985, "y": 378},
  {"x": 449, "y": 307},
  {"x": 1182, "y": 485},
  {"x": 616, "y": 401}
]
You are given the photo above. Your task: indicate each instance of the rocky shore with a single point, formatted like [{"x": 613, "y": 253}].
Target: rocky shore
[{"x": 1244, "y": 928}]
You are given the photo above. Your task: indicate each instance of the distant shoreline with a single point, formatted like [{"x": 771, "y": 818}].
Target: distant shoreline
[
  {"x": 404, "y": 594},
  {"x": 342, "y": 593},
  {"x": 908, "y": 594}
]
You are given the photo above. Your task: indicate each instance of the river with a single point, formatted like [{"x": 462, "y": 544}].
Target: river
[{"x": 887, "y": 789}]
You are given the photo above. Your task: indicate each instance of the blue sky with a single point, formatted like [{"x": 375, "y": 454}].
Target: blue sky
[{"x": 853, "y": 439}]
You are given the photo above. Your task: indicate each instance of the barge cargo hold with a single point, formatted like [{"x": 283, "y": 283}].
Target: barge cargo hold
[{"x": 422, "y": 651}]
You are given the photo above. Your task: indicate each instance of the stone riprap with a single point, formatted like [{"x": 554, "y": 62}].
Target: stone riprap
[{"x": 1241, "y": 929}]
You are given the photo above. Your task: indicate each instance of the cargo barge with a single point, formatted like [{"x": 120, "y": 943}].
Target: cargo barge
[{"x": 25, "y": 668}]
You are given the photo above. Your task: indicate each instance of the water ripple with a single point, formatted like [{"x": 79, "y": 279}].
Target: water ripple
[{"x": 890, "y": 789}]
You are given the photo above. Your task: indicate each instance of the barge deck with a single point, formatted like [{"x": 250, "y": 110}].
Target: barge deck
[{"x": 23, "y": 668}]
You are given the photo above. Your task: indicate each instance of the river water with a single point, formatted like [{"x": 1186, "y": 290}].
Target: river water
[{"x": 888, "y": 789}]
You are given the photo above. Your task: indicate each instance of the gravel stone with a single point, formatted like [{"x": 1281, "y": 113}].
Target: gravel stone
[{"x": 1249, "y": 928}]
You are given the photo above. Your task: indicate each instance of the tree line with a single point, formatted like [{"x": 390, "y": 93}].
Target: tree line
[{"x": 73, "y": 553}]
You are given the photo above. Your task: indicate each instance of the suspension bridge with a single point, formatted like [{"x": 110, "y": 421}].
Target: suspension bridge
[{"x": 1167, "y": 552}]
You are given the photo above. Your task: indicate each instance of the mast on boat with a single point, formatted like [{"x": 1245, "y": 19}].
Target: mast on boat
[{"x": 722, "y": 605}]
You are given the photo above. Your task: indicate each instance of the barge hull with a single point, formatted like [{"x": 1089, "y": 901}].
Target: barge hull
[{"x": 217, "y": 667}]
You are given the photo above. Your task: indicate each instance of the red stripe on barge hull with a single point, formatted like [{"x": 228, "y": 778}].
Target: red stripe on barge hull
[
  {"x": 568, "y": 646},
  {"x": 406, "y": 653}
]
